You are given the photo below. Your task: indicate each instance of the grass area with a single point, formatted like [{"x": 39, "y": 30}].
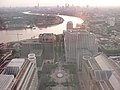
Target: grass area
[
  {"x": 71, "y": 67},
  {"x": 110, "y": 50},
  {"x": 45, "y": 79},
  {"x": 73, "y": 80},
  {"x": 59, "y": 51},
  {"x": 46, "y": 82},
  {"x": 47, "y": 68}
]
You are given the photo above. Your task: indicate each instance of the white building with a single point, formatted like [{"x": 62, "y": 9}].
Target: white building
[
  {"x": 111, "y": 21},
  {"x": 78, "y": 43},
  {"x": 21, "y": 74},
  {"x": 14, "y": 66},
  {"x": 69, "y": 25},
  {"x": 6, "y": 82}
]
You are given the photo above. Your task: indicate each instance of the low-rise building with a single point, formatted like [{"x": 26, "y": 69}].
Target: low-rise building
[{"x": 44, "y": 43}]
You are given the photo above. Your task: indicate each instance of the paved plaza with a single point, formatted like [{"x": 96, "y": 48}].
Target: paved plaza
[{"x": 60, "y": 75}]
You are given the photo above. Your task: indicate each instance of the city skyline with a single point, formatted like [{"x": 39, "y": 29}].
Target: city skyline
[{"x": 29, "y": 3}]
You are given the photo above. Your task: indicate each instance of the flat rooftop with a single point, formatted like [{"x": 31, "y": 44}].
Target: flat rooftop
[
  {"x": 31, "y": 41},
  {"x": 17, "y": 62},
  {"x": 106, "y": 69},
  {"x": 5, "y": 81}
]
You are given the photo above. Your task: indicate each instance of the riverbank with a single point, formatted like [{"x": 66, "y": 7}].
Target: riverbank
[
  {"x": 19, "y": 20},
  {"x": 22, "y": 34},
  {"x": 47, "y": 21}
]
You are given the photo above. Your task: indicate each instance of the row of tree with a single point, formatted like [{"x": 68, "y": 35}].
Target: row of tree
[{"x": 2, "y": 24}]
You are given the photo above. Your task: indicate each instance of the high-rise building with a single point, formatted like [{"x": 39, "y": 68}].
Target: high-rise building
[
  {"x": 20, "y": 74},
  {"x": 69, "y": 25},
  {"x": 78, "y": 43}
]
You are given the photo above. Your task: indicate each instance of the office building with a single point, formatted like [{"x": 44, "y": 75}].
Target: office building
[
  {"x": 78, "y": 43},
  {"x": 44, "y": 43},
  {"x": 20, "y": 74},
  {"x": 47, "y": 38},
  {"x": 43, "y": 47},
  {"x": 69, "y": 25},
  {"x": 48, "y": 42},
  {"x": 100, "y": 73},
  {"x": 6, "y": 82},
  {"x": 111, "y": 21}
]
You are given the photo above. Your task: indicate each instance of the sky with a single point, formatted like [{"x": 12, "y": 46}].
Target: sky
[{"x": 23, "y": 3}]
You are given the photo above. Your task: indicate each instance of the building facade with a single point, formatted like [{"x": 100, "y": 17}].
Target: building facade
[
  {"x": 78, "y": 43},
  {"x": 69, "y": 25},
  {"x": 100, "y": 73},
  {"x": 21, "y": 74},
  {"x": 111, "y": 21}
]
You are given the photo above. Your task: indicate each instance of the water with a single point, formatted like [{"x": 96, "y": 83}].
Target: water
[{"x": 15, "y": 35}]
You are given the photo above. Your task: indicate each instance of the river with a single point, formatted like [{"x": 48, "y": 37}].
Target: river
[{"x": 15, "y": 35}]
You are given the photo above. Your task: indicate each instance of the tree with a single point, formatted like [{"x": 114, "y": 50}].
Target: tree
[{"x": 2, "y": 24}]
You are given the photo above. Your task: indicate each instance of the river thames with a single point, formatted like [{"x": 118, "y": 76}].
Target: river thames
[{"x": 15, "y": 35}]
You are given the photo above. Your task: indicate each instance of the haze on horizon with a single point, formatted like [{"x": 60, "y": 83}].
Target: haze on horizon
[{"x": 29, "y": 3}]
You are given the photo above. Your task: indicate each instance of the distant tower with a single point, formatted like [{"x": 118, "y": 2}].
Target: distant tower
[
  {"x": 38, "y": 5},
  {"x": 87, "y": 6},
  {"x": 69, "y": 25},
  {"x": 58, "y": 6}
]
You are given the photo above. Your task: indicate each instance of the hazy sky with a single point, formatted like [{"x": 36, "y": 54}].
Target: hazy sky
[{"x": 14, "y": 3}]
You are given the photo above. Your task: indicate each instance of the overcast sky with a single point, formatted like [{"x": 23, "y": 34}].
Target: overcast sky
[{"x": 14, "y": 3}]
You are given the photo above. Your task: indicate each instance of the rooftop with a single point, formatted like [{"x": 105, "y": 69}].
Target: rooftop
[
  {"x": 31, "y": 41},
  {"x": 105, "y": 70},
  {"x": 17, "y": 62},
  {"x": 103, "y": 63},
  {"x": 5, "y": 81}
]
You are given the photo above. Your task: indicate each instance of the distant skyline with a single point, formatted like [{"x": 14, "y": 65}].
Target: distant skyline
[{"x": 25, "y": 3}]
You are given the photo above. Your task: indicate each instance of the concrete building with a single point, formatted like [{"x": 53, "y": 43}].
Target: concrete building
[
  {"x": 29, "y": 46},
  {"x": 78, "y": 43},
  {"x": 111, "y": 21},
  {"x": 33, "y": 46},
  {"x": 100, "y": 73},
  {"x": 20, "y": 74},
  {"x": 45, "y": 43},
  {"x": 43, "y": 47},
  {"x": 6, "y": 82},
  {"x": 69, "y": 25},
  {"x": 14, "y": 66},
  {"x": 47, "y": 38}
]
